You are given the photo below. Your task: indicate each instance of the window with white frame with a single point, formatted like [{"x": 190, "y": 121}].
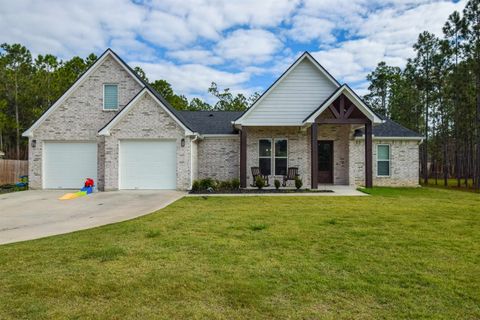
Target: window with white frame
[
  {"x": 383, "y": 160},
  {"x": 281, "y": 157},
  {"x": 110, "y": 97},
  {"x": 275, "y": 155},
  {"x": 265, "y": 156}
]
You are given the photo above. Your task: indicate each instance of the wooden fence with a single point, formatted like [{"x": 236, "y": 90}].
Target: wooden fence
[{"x": 11, "y": 170}]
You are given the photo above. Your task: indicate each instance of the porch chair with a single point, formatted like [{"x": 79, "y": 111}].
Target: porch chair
[
  {"x": 292, "y": 173},
  {"x": 256, "y": 173}
]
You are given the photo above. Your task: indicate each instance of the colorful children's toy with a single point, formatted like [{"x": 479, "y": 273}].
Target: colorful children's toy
[{"x": 87, "y": 189}]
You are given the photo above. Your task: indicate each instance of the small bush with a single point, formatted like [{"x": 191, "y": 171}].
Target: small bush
[
  {"x": 196, "y": 186},
  {"x": 276, "y": 182},
  {"x": 207, "y": 183},
  {"x": 298, "y": 183},
  {"x": 235, "y": 184},
  {"x": 259, "y": 182},
  {"x": 225, "y": 186}
]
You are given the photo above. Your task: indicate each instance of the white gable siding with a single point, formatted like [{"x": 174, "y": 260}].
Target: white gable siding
[{"x": 293, "y": 98}]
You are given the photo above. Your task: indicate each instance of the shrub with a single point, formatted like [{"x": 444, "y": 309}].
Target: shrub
[
  {"x": 196, "y": 186},
  {"x": 276, "y": 182},
  {"x": 207, "y": 183},
  {"x": 235, "y": 184},
  {"x": 298, "y": 183},
  {"x": 225, "y": 186},
  {"x": 259, "y": 182}
]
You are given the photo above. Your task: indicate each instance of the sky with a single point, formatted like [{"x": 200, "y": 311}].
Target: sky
[{"x": 243, "y": 45}]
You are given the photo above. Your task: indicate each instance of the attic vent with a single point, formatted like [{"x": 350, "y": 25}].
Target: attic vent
[{"x": 210, "y": 115}]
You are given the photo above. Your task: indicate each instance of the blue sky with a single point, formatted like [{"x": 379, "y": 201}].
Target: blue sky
[{"x": 244, "y": 45}]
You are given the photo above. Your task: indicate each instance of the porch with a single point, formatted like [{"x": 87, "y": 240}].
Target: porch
[{"x": 320, "y": 149}]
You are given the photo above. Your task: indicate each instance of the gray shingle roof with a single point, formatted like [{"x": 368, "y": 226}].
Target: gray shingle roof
[
  {"x": 389, "y": 129},
  {"x": 210, "y": 122}
]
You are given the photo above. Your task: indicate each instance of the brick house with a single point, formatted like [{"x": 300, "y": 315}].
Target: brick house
[{"x": 113, "y": 127}]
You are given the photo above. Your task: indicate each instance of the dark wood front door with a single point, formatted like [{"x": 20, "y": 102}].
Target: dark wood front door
[{"x": 325, "y": 161}]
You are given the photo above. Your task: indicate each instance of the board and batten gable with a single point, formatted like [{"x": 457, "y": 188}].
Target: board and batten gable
[{"x": 295, "y": 96}]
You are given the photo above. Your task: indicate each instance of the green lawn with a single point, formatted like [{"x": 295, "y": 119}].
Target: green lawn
[
  {"x": 400, "y": 253},
  {"x": 452, "y": 183}
]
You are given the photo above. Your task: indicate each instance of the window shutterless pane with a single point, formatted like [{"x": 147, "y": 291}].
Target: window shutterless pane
[
  {"x": 383, "y": 152},
  {"x": 281, "y": 148},
  {"x": 265, "y": 165},
  {"x": 280, "y": 166},
  {"x": 265, "y": 148},
  {"x": 110, "y": 96},
  {"x": 383, "y": 168}
]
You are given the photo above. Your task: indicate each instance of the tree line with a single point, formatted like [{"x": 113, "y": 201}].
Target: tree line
[
  {"x": 30, "y": 85},
  {"x": 437, "y": 94}
]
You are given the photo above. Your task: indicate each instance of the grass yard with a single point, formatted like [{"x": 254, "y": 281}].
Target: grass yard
[
  {"x": 452, "y": 183},
  {"x": 401, "y": 253}
]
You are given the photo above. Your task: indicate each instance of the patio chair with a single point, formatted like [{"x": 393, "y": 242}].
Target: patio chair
[
  {"x": 256, "y": 173},
  {"x": 292, "y": 173}
]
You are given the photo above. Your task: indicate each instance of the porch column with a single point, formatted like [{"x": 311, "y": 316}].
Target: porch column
[
  {"x": 314, "y": 155},
  {"x": 243, "y": 158},
  {"x": 368, "y": 154}
]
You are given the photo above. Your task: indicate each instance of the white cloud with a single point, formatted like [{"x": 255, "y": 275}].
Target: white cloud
[
  {"x": 385, "y": 34},
  {"x": 74, "y": 29},
  {"x": 231, "y": 42},
  {"x": 306, "y": 28},
  {"x": 249, "y": 46},
  {"x": 196, "y": 56},
  {"x": 192, "y": 78}
]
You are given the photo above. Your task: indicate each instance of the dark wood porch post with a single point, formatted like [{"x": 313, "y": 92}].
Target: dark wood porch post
[
  {"x": 314, "y": 155},
  {"x": 243, "y": 158},
  {"x": 368, "y": 155}
]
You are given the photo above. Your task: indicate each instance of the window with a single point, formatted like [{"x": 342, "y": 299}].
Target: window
[
  {"x": 278, "y": 156},
  {"x": 110, "y": 97},
  {"x": 383, "y": 160},
  {"x": 281, "y": 157},
  {"x": 265, "y": 156}
]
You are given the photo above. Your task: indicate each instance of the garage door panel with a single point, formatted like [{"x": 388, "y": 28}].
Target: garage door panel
[
  {"x": 148, "y": 164},
  {"x": 68, "y": 164}
]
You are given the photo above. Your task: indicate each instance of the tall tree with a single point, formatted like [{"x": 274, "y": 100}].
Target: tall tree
[
  {"x": 230, "y": 102},
  {"x": 471, "y": 32},
  {"x": 426, "y": 47},
  {"x": 18, "y": 61},
  {"x": 453, "y": 34},
  {"x": 381, "y": 80}
]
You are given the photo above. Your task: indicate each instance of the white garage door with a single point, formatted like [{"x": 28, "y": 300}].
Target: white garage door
[
  {"x": 148, "y": 164},
  {"x": 68, "y": 164}
]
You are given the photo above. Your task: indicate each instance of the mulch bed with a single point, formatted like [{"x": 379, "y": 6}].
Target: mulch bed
[{"x": 262, "y": 191}]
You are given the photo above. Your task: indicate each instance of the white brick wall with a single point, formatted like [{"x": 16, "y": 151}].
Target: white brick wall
[
  {"x": 403, "y": 164},
  {"x": 219, "y": 158},
  {"x": 81, "y": 115},
  {"x": 298, "y": 150},
  {"x": 147, "y": 120}
]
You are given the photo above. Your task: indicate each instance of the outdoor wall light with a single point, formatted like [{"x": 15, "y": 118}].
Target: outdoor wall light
[
  {"x": 34, "y": 143},
  {"x": 182, "y": 143}
]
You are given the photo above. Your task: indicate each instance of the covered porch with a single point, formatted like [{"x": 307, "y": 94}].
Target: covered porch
[{"x": 319, "y": 148}]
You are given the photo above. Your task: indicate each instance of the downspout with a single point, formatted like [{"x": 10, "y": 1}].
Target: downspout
[{"x": 196, "y": 137}]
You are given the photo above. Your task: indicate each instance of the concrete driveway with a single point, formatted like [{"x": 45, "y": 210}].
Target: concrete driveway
[{"x": 38, "y": 213}]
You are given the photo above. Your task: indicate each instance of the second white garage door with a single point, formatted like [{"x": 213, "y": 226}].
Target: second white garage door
[{"x": 148, "y": 164}]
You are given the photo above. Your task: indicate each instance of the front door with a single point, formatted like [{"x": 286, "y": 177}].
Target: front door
[{"x": 325, "y": 161}]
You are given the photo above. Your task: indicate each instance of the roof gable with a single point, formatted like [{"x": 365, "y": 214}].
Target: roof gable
[
  {"x": 352, "y": 96},
  {"x": 295, "y": 94},
  {"x": 78, "y": 82},
  {"x": 105, "y": 131}
]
